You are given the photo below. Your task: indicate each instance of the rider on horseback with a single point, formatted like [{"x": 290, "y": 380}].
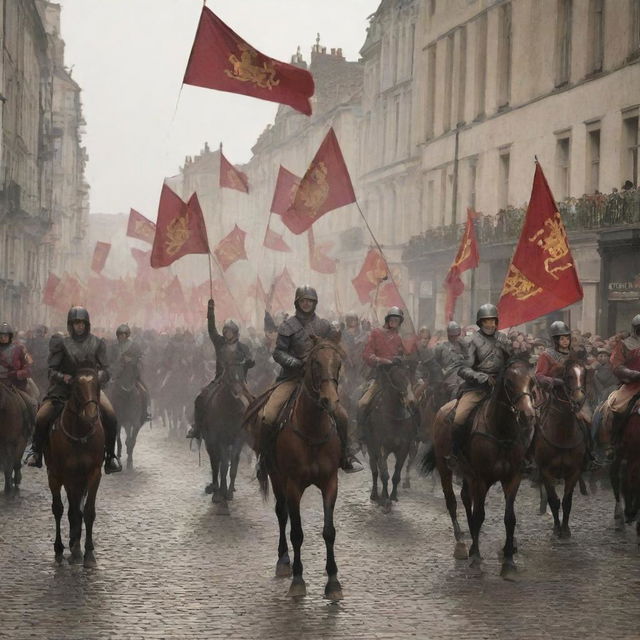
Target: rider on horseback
[
  {"x": 293, "y": 343},
  {"x": 384, "y": 349},
  {"x": 487, "y": 354},
  {"x": 230, "y": 352},
  {"x": 625, "y": 361},
  {"x": 128, "y": 354},
  {"x": 66, "y": 355},
  {"x": 14, "y": 371},
  {"x": 449, "y": 356},
  {"x": 549, "y": 371}
]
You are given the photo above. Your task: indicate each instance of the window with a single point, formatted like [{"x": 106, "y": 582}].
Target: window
[
  {"x": 593, "y": 158},
  {"x": 462, "y": 75},
  {"x": 431, "y": 214},
  {"x": 563, "y": 154},
  {"x": 443, "y": 196},
  {"x": 481, "y": 64},
  {"x": 630, "y": 149},
  {"x": 432, "y": 7},
  {"x": 596, "y": 35},
  {"x": 504, "y": 55},
  {"x": 412, "y": 44},
  {"x": 563, "y": 42},
  {"x": 448, "y": 81},
  {"x": 503, "y": 180},
  {"x": 635, "y": 28},
  {"x": 431, "y": 89},
  {"x": 397, "y": 129},
  {"x": 473, "y": 182}
]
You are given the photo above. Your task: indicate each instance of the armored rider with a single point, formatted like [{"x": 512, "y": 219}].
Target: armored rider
[
  {"x": 450, "y": 355},
  {"x": 80, "y": 348},
  {"x": 293, "y": 343},
  {"x": 230, "y": 352}
]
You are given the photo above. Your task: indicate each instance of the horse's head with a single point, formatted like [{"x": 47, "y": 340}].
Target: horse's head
[
  {"x": 574, "y": 376},
  {"x": 399, "y": 378},
  {"x": 233, "y": 377},
  {"x": 322, "y": 371},
  {"x": 85, "y": 394},
  {"x": 518, "y": 388}
]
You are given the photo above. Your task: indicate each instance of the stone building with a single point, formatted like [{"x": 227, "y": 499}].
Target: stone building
[
  {"x": 43, "y": 196},
  {"x": 497, "y": 83}
]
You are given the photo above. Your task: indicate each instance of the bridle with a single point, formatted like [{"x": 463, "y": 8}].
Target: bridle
[
  {"x": 387, "y": 374},
  {"x": 314, "y": 392},
  {"x": 93, "y": 421}
]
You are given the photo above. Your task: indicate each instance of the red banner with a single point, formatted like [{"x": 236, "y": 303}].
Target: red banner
[
  {"x": 372, "y": 274},
  {"x": 275, "y": 241},
  {"x": 257, "y": 292},
  {"x": 466, "y": 258},
  {"x": 325, "y": 186},
  {"x": 221, "y": 60},
  {"x": 232, "y": 178},
  {"x": 49, "y": 291},
  {"x": 285, "y": 192},
  {"x": 100, "y": 254},
  {"x": 282, "y": 293},
  {"x": 318, "y": 260},
  {"x": 180, "y": 229},
  {"x": 542, "y": 276},
  {"x": 141, "y": 228},
  {"x": 174, "y": 296},
  {"x": 231, "y": 248},
  {"x": 143, "y": 262}
]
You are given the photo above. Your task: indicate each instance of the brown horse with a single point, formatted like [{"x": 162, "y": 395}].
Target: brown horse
[
  {"x": 306, "y": 451},
  {"x": 560, "y": 444},
  {"x": 391, "y": 428},
  {"x": 127, "y": 401},
  {"x": 15, "y": 432},
  {"x": 494, "y": 452},
  {"x": 74, "y": 456}
]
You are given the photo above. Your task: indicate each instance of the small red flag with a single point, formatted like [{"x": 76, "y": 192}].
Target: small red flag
[
  {"x": 372, "y": 274},
  {"x": 221, "y": 59},
  {"x": 389, "y": 296},
  {"x": 275, "y": 241},
  {"x": 49, "y": 291},
  {"x": 231, "y": 177},
  {"x": 180, "y": 229},
  {"x": 141, "y": 228},
  {"x": 143, "y": 261},
  {"x": 100, "y": 254},
  {"x": 318, "y": 260},
  {"x": 285, "y": 193},
  {"x": 257, "y": 292},
  {"x": 326, "y": 185},
  {"x": 466, "y": 258},
  {"x": 231, "y": 248},
  {"x": 542, "y": 276},
  {"x": 282, "y": 292},
  {"x": 174, "y": 296}
]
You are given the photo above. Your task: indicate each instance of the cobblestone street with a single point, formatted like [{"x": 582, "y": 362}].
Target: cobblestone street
[{"x": 169, "y": 566}]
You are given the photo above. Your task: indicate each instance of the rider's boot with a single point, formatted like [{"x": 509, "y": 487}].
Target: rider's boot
[
  {"x": 617, "y": 427},
  {"x": 349, "y": 463},
  {"x": 146, "y": 414},
  {"x": 44, "y": 418},
  {"x": 194, "y": 429},
  {"x": 589, "y": 462},
  {"x": 110, "y": 424},
  {"x": 458, "y": 439}
]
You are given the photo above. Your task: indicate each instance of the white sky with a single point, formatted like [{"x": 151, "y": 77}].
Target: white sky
[{"x": 129, "y": 57}]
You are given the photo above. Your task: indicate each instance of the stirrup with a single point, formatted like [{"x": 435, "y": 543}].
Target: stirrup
[
  {"x": 112, "y": 465},
  {"x": 351, "y": 464},
  {"x": 193, "y": 433},
  {"x": 33, "y": 458}
]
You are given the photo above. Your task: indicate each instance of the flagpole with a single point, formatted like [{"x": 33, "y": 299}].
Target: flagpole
[
  {"x": 210, "y": 278},
  {"x": 226, "y": 284}
]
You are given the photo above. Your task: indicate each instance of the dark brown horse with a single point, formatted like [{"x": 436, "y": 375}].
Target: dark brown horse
[
  {"x": 494, "y": 452},
  {"x": 74, "y": 456},
  {"x": 127, "y": 400},
  {"x": 306, "y": 451},
  {"x": 391, "y": 428},
  {"x": 560, "y": 444},
  {"x": 15, "y": 432},
  {"x": 222, "y": 430}
]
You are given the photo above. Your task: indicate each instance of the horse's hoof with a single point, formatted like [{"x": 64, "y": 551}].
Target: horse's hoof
[
  {"x": 373, "y": 497},
  {"x": 75, "y": 558},
  {"x": 222, "y": 509},
  {"x": 89, "y": 561},
  {"x": 209, "y": 489},
  {"x": 460, "y": 551},
  {"x": 298, "y": 589},
  {"x": 475, "y": 560},
  {"x": 333, "y": 591},
  {"x": 129, "y": 464},
  {"x": 509, "y": 570},
  {"x": 394, "y": 497},
  {"x": 283, "y": 569},
  {"x": 216, "y": 497},
  {"x": 59, "y": 558},
  {"x": 229, "y": 496},
  {"x": 386, "y": 505},
  {"x": 565, "y": 533}
]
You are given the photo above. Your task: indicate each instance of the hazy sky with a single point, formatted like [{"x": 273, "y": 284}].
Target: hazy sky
[{"x": 129, "y": 57}]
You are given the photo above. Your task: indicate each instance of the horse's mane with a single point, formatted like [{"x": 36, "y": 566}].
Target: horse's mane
[
  {"x": 320, "y": 343},
  {"x": 515, "y": 359}
]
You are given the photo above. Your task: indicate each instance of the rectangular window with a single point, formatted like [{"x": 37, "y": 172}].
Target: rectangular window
[
  {"x": 630, "y": 150},
  {"x": 596, "y": 35},
  {"x": 473, "y": 182},
  {"x": 563, "y": 157},
  {"x": 431, "y": 89},
  {"x": 443, "y": 196},
  {"x": 448, "y": 81},
  {"x": 431, "y": 214},
  {"x": 593, "y": 158},
  {"x": 462, "y": 75},
  {"x": 412, "y": 44},
  {"x": 503, "y": 181},
  {"x": 563, "y": 42},
  {"x": 504, "y": 55},
  {"x": 635, "y": 28},
  {"x": 397, "y": 128},
  {"x": 481, "y": 64}
]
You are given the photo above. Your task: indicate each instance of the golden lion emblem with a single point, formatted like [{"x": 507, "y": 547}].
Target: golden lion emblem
[
  {"x": 245, "y": 69},
  {"x": 518, "y": 285},
  {"x": 553, "y": 241},
  {"x": 177, "y": 234},
  {"x": 314, "y": 189}
]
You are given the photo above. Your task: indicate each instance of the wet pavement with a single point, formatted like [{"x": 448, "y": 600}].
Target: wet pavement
[{"x": 170, "y": 565}]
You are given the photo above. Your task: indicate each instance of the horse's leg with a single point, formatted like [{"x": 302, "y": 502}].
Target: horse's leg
[
  {"x": 233, "y": 469},
  {"x": 333, "y": 589},
  {"x": 224, "y": 470},
  {"x": 89, "y": 561},
  {"x": 465, "y": 496},
  {"x": 477, "y": 518},
  {"x": 294, "y": 494},
  {"x": 8, "y": 482},
  {"x": 510, "y": 489},
  {"x": 542, "y": 508},
  {"x": 446, "y": 480},
  {"x": 413, "y": 450},
  {"x": 119, "y": 441},
  {"x": 58, "y": 509},
  {"x": 74, "y": 498},
  {"x": 17, "y": 474},
  {"x": 283, "y": 567},
  {"x": 567, "y": 500},
  {"x": 397, "y": 472},
  {"x": 383, "y": 469},
  {"x": 552, "y": 499},
  {"x": 214, "y": 457},
  {"x": 614, "y": 477},
  {"x": 373, "y": 465}
]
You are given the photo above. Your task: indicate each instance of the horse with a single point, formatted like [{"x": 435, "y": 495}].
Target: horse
[
  {"x": 222, "y": 430},
  {"x": 501, "y": 430},
  {"x": 173, "y": 400},
  {"x": 560, "y": 444},
  {"x": 15, "y": 432},
  {"x": 127, "y": 403},
  {"x": 391, "y": 428},
  {"x": 305, "y": 451},
  {"x": 74, "y": 455}
]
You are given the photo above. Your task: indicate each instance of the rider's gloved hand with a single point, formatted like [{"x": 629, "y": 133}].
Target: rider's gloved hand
[{"x": 482, "y": 378}]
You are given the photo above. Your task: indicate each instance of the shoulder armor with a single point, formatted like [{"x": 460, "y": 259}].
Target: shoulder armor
[
  {"x": 632, "y": 343},
  {"x": 289, "y": 326}
]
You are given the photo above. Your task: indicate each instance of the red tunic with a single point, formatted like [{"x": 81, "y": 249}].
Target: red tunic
[
  {"x": 14, "y": 365},
  {"x": 383, "y": 343},
  {"x": 548, "y": 367}
]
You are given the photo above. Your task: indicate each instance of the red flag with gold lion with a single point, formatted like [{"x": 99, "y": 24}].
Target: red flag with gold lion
[
  {"x": 373, "y": 272},
  {"x": 542, "y": 276},
  {"x": 231, "y": 248}
]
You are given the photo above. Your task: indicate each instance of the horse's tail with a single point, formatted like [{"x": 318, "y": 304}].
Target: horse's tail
[
  {"x": 263, "y": 476},
  {"x": 428, "y": 462}
]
